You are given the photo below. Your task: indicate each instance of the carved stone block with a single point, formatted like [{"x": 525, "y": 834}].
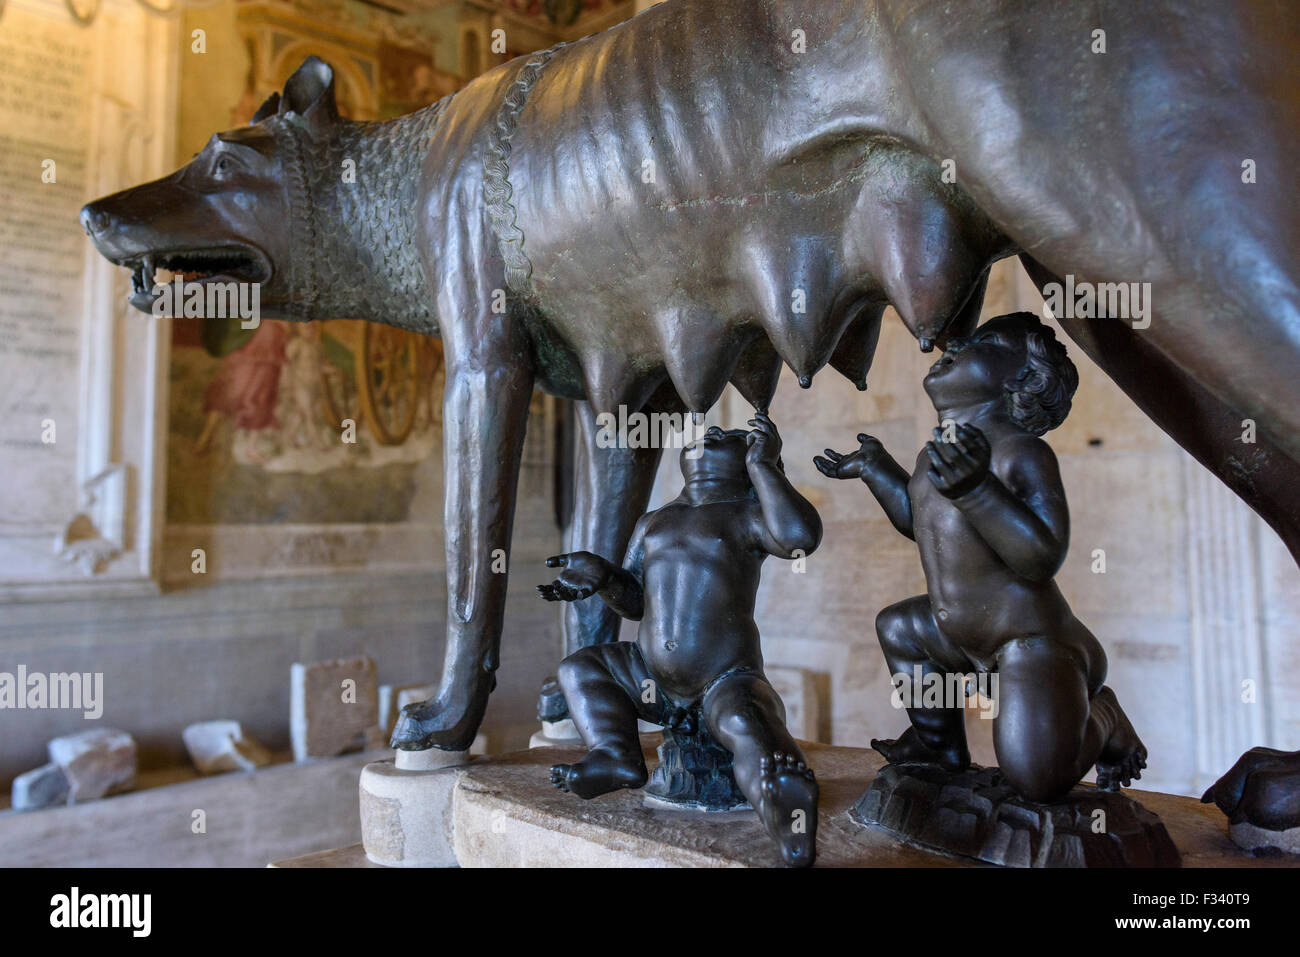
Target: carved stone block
[
  {"x": 333, "y": 707},
  {"x": 218, "y": 746},
  {"x": 96, "y": 763},
  {"x": 46, "y": 786}
]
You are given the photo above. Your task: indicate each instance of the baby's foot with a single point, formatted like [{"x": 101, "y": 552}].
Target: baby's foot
[
  {"x": 600, "y": 772},
  {"x": 908, "y": 748},
  {"x": 787, "y": 805},
  {"x": 1123, "y": 756}
]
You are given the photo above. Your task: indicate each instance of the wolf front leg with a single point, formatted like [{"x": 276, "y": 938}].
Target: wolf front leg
[
  {"x": 611, "y": 490},
  {"x": 485, "y": 411}
]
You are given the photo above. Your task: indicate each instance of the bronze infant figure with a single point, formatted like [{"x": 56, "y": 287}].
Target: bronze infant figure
[
  {"x": 691, "y": 578},
  {"x": 987, "y": 510}
]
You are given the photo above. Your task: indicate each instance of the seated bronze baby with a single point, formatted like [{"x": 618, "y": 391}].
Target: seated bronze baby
[{"x": 691, "y": 578}]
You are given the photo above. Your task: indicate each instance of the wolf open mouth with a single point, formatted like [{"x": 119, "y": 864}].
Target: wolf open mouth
[{"x": 219, "y": 264}]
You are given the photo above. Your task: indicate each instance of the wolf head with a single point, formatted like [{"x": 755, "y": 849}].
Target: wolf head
[{"x": 240, "y": 211}]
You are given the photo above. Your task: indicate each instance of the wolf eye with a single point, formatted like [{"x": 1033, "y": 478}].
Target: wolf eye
[{"x": 223, "y": 166}]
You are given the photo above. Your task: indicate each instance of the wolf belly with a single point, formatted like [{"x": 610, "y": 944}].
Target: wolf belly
[{"x": 712, "y": 245}]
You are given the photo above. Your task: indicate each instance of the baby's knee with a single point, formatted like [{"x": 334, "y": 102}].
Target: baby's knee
[
  {"x": 1038, "y": 777},
  {"x": 580, "y": 666},
  {"x": 895, "y": 629},
  {"x": 1042, "y": 658},
  {"x": 746, "y": 709}
]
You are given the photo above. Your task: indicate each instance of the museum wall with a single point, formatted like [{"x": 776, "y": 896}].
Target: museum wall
[{"x": 163, "y": 450}]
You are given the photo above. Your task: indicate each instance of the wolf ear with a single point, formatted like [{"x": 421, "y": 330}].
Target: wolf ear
[
  {"x": 310, "y": 92},
  {"x": 268, "y": 108}
]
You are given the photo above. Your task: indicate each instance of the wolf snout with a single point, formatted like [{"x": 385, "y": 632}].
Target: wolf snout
[{"x": 93, "y": 220}]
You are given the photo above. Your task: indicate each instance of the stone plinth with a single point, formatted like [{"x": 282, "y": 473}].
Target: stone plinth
[
  {"x": 556, "y": 734},
  {"x": 1259, "y": 840},
  {"x": 976, "y": 814},
  {"x": 501, "y": 811},
  {"x": 406, "y": 814}
]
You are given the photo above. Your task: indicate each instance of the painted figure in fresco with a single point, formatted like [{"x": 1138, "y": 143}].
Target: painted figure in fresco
[
  {"x": 691, "y": 578},
  {"x": 246, "y": 387},
  {"x": 987, "y": 510},
  {"x": 301, "y": 384}
]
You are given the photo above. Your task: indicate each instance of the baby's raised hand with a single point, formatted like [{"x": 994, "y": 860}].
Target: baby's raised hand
[
  {"x": 584, "y": 574},
  {"x": 854, "y": 464},
  {"x": 764, "y": 441},
  {"x": 959, "y": 466}
]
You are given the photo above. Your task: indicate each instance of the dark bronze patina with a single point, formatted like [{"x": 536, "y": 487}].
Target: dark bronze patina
[
  {"x": 986, "y": 508},
  {"x": 1262, "y": 788},
  {"x": 691, "y": 579},
  {"x": 713, "y": 190}
]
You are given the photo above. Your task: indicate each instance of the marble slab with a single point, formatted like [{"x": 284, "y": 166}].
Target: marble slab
[{"x": 504, "y": 813}]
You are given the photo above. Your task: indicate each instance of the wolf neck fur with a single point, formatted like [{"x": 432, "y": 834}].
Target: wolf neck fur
[{"x": 355, "y": 254}]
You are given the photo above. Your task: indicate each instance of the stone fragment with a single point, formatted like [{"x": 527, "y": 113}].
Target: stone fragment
[
  {"x": 96, "y": 763},
  {"x": 333, "y": 707},
  {"x": 219, "y": 746},
  {"x": 46, "y": 786},
  {"x": 387, "y": 708}
]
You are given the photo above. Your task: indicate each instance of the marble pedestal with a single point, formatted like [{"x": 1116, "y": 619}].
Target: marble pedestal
[
  {"x": 501, "y": 811},
  {"x": 406, "y": 806},
  {"x": 1261, "y": 841}
]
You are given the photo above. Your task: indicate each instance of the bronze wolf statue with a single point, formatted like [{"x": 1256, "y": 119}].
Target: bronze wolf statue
[{"x": 710, "y": 191}]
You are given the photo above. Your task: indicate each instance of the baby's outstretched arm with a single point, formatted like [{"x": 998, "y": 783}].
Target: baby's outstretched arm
[
  {"x": 586, "y": 574},
  {"x": 878, "y": 470},
  {"x": 788, "y": 523},
  {"x": 1027, "y": 524}
]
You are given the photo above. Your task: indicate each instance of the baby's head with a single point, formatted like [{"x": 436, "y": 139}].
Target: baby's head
[
  {"x": 717, "y": 454},
  {"x": 1015, "y": 355}
]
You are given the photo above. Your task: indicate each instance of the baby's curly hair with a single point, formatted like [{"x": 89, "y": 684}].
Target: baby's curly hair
[{"x": 1040, "y": 398}]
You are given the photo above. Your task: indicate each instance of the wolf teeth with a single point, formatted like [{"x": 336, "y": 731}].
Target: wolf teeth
[{"x": 140, "y": 277}]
